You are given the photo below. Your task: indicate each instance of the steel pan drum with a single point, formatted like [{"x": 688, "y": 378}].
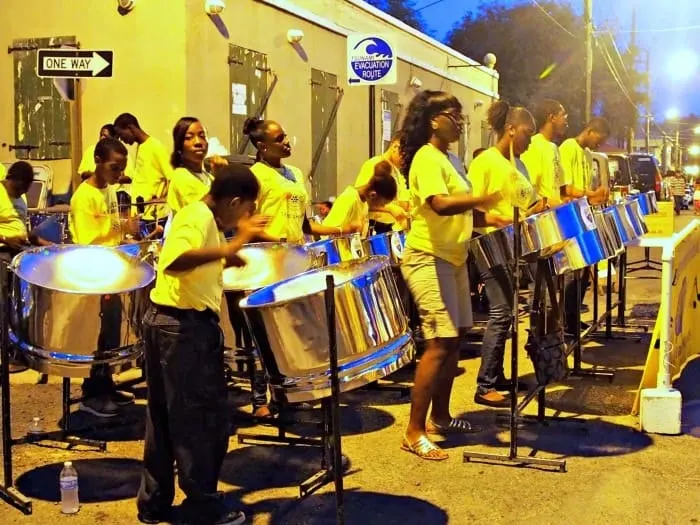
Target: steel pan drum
[
  {"x": 338, "y": 249},
  {"x": 647, "y": 202},
  {"x": 52, "y": 227},
  {"x": 288, "y": 322},
  {"x": 626, "y": 226},
  {"x": 266, "y": 264},
  {"x": 541, "y": 234},
  {"x": 71, "y": 307},
  {"x": 634, "y": 210},
  {"x": 389, "y": 244},
  {"x": 588, "y": 248}
]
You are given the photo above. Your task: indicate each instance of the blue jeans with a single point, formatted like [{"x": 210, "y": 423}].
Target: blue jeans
[
  {"x": 187, "y": 417},
  {"x": 499, "y": 290}
]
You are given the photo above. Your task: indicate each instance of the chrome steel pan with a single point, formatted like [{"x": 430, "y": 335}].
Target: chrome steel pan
[
  {"x": 338, "y": 249},
  {"x": 266, "y": 264},
  {"x": 634, "y": 210},
  {"x": 587, "y": 249},
  {"x": 288, "y": 322},
  {"x": 72, "y": 307},
  {"x": 389, "y": 244},
  {"x": 626, "y": 226},
  {"x": 647, "y": 202}
]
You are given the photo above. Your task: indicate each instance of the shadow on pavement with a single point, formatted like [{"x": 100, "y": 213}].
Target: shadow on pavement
[
  {"x": 100, "y": 480},
  {"x": 573, "y": 438}
]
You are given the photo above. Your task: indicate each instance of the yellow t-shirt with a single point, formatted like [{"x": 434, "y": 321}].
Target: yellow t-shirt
[
  {"x": 403, "y": 195},
  {"x": 544, "y": 166},
  {"x": 491, "y": 172},
  {"x": 193, "y": 228},
  {"x": 94, "y": 216},
  {"x": 11, "y": 224},
  {"x": 87, "y": 163},
  {"x": 577, "y": 164},
  {"x": 3, "y": 172},
  {"x": 445, "y": 237},
  {"x": 152, "y": 172},
  {"x": 282, "y": 200},
  {"x": 187, "y": 187},
  {"x": 348, "y": 209}
]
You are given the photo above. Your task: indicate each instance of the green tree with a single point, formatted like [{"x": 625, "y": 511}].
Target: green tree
[
  {"x": 403, "y": 10},
  {"x": 542, "y": 56}
]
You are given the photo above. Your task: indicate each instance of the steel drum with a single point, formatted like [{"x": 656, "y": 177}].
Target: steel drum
[
  {"x": 266, "y": 264},
  {"x": 626, "y": 226},
  {"x": 338, "y": 249},
  {"x": 288, "y": 322},
  {"x": 389, "y": 244},
  {"x": 647, "y": 202},
  {"x": 70, "y": 308},
  {"x": 634, "y": 210},
  {"x": 52, "y": 227},
  {"x": 541, "y": 234},
  {"x": 588, "y": 248}
]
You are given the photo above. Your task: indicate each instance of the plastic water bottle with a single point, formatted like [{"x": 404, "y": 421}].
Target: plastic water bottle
[
  {"x": 69, "y": 489},
  {"x": 35, "y": 426}
]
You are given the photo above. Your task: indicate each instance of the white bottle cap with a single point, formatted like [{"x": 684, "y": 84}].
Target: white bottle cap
[{"x": 68, "y": 464}]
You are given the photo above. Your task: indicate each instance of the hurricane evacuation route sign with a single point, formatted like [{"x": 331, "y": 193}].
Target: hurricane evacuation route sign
[
  {"x": 74, "y": 63},
  {"x": 371, "y": 60}
]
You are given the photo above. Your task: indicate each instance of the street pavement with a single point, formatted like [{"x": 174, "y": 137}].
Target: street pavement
[{"x": 615, "y": 473}]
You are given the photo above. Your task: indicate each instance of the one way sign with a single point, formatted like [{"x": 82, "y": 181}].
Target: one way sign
[{"x": 73, "y": 63}]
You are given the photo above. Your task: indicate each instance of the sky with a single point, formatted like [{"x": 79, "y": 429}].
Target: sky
[{"x": 674, "y": 54}]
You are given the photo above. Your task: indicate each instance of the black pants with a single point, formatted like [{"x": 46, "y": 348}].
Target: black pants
[
  {"x": 100, "y": 381},
  {"x": 258, "y": 382},
  {"x": 571, "y": 299},
  {"x": 186, "y": 421}
]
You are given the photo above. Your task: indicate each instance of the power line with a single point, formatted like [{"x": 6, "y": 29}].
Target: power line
[
  {"x": 659, "y": 30},
  {"x": 426, "y": 6},
  {"x": 553, "y": 19}
]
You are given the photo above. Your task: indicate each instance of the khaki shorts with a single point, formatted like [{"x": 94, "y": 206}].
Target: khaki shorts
[{"x": 441, "y": 292}]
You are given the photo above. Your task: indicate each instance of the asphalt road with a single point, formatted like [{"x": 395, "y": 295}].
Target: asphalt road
[{"x": 615, "y": 473}]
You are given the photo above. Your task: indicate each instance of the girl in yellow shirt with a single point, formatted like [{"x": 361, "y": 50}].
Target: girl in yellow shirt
[
  {"x": 352, "y": 207},
  {"x": 434, "y": 262},
  {"x": 500, "y": 169},
  {"x": 283, "y": 196}
]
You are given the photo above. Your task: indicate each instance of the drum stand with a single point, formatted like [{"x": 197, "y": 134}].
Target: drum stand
[
  {"x": 515, "y": 416},
  {"x": 330, "y": 441}
]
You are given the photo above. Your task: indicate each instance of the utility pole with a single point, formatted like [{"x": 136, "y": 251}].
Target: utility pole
[{"x": 588, "y": 21}]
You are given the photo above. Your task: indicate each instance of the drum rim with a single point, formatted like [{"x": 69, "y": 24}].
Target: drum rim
[
  {"x": 16, "y": 261},
  {"x": 382, "y": 262}
]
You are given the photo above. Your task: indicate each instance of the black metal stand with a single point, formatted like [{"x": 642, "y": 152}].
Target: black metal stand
[
  {"x": 8, "y": 492},
  {"x": 576, "y": 346},
  {"x": 515, "y": 414},
  {"x": 621, "y": 306},
  {"x": 330, "y": 441},
  {"x": 644, "y": 264}
]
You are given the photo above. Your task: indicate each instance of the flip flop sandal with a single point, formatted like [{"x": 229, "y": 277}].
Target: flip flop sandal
[
  {"x": 455, "y": 426},
  {"x": 424, "y": 449}
]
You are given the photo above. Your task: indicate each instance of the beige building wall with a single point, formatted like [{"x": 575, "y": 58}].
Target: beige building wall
[
  {"x": 171, "y": 60},
  {"x": 149, "y": 65}
]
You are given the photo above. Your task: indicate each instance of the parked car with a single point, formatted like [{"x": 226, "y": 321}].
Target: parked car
[{"x": 645, "y": 174}]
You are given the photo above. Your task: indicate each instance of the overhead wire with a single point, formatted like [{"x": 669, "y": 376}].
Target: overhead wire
[{"x": 554, "y": 20}]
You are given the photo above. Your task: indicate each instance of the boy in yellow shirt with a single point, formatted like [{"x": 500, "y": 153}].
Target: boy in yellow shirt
[
  {"x": 152, "y": 169},
  {"x": 186, "y": 423},
  {"x": 542, "y": 157},
  {"x": 94, "y": 219},
  {"x": 13, "y": 230}
]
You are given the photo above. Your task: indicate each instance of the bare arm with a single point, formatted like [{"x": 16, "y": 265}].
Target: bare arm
[{"x": 446, "y": 205}]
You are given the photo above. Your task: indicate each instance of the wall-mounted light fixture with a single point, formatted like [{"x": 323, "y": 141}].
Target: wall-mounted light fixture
[
  {"x": 294, "y": 36},
  {"x": 489, "y": 62},
  {"x": 214, "y": 7},
  {"x": 124, "y": 7},
  {"x": 415, "y": 82}
]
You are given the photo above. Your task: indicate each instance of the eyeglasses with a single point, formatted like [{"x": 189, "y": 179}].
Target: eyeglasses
[{"x": 456, "y": 119}]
